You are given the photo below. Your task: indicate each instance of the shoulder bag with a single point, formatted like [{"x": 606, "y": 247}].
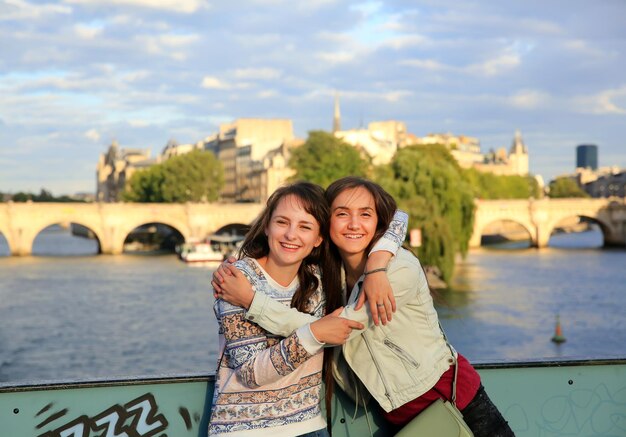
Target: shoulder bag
[{"x": 441, "y": 418}]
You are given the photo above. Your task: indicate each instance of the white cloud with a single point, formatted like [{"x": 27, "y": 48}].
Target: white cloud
[
  {"x": 425, "y": 64},
  {"x": 602, "y": 103},
  {"x": 404, "y": 41},
  {"x": 138, "y": 123},
  {"x": 165, "y": 44},
  {"x": 336, "y": 57},
  {"x": 495, "y": 66},
  {"x": 93, "y": 135},
  {"x": 587, "y": 49},
  {"x": 212, "y": 82},
  {"x": 181, "y": 6},
  {"x": 266, "y": 94},
  {"x": 529, "y": 99},
  {"x": 87, "y": 32},
  {"x": 22, "y": 10},
  {"x": 257, "y": 73}
]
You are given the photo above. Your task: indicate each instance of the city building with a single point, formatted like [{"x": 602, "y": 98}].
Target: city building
[
  {"x": 379, "y": 141},
  {"x": 466, "y": 150},
  {"x": 172, "y": 148},
  {"x": 501, "y": 163},
  {"x": 252, "y": 151},
  {"x": 608, "y": 185},
  {"x": 115, "y": 167},
  {"x": 587, "y": 156}
]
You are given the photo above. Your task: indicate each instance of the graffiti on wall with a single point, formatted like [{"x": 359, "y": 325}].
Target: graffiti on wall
[{"x": 138, "y": 418}]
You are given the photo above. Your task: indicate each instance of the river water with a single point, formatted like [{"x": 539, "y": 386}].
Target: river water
[{"x": 69, "y": 314}]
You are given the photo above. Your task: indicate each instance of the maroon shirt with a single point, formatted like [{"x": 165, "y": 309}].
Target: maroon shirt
[{"x": 467, "y": 384}]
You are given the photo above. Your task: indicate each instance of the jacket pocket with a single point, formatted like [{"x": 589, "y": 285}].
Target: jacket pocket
[{"x": 401, "y": 353}]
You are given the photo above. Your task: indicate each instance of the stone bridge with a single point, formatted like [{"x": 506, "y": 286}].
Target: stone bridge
[
  {"x": 111, "y": 223},
  {"x": 541, "y": 217}
]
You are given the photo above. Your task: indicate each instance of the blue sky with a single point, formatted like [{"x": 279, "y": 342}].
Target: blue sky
[{"x": 77, "y": 74}]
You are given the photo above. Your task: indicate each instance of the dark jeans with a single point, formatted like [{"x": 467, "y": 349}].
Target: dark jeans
[{"x": 484, "y": 419}]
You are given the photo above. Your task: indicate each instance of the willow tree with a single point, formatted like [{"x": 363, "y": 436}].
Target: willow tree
[
  {"x": 323, "y": 158},
  {"x": 427, "y": 182}
]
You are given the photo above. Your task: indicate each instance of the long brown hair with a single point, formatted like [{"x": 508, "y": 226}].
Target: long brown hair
[
  {"x": 331, "y": 264},
  {"x": 255, "y": 245}
]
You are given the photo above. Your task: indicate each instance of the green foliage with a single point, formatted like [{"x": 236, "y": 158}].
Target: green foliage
[
  {"x": 428, "y": 183},
  {"x": 565, "y": 187},
  {"x": 324, "y": 158},
  {"x": 194, "y": 177},
  {"x": 43, "y": 196},
  {"x": 491, "y": 186}
]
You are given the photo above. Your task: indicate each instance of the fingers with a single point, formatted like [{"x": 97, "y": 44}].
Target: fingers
[
  {"x": 231, "y": 259},
  {"x": 232, "y": 270},
  {"x": 374, "y": 311},
  {"x": 218, "y": 276},
  {"x": 353, "y": 324},
  {"x": 216, "y": 289}
]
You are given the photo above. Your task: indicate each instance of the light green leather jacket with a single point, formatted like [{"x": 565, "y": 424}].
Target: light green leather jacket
[{"x": 397, "y": 362}]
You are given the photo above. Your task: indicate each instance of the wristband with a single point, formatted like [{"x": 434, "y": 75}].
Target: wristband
[{"x": 382, "y": 269}]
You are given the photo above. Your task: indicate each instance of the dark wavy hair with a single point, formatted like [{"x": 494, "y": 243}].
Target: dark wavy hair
[
  {"x": 255, "y": 245},
  {"x": 331, "y": 264}
]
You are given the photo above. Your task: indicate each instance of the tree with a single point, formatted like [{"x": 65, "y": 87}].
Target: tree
[
  {"x": 491, "y": 186},
  {"x": 324, "y": 158},
  {"x": 427, "y": 182},
  {"x": 194, "y": 177},
  {"x": 565, "y": 187}
]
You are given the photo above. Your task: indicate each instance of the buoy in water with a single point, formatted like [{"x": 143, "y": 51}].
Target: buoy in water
[{"x": 558, "y": 333}]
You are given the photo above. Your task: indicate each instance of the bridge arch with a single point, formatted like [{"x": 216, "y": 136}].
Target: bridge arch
[
  {"x": 4, "y": 234},
  {"x": 51, "y": 222},
  {"x": 126, "y": 230},
  {"x": 233, "y": 228},
  {"x": 28, "y": 238},
  {"x": 506, "y": 231},
  {"x": 604, "y": 226}
]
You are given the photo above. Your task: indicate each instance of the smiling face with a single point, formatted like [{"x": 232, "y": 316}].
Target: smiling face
[
  {"x": 292, "y": 233},
  {"x": 353, "y": 221}
]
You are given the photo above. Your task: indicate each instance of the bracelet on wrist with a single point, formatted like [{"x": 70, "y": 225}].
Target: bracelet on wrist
[{"x": 382, "y": 269}]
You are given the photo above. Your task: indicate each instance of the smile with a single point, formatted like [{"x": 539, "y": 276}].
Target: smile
[
  {"x": 289, "y": 246},
  {"x": 353, "y": 236}
]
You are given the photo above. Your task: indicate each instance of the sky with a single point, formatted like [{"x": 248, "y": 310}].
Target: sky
[{"x": 76, "y": 75}]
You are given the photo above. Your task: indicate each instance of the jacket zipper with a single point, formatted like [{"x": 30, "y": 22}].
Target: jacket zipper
[
  {"x": 401, "y": 352},
  {"x": 380, "y": 373}
]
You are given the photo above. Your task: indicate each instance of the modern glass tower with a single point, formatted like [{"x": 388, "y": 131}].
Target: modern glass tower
[{"x": 587, "y": 156}]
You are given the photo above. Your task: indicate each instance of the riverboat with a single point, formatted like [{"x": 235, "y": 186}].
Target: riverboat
[
  {"x": 548, "y": 398},
  {"x": 199, "y": 252}
]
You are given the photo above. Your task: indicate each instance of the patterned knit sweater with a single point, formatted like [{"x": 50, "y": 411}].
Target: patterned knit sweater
[{"x": 267, "y": 384}]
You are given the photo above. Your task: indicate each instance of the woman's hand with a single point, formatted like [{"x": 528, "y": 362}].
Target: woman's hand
[
  {"x": 220, "y": 274},
  {"x": 233, "y": 287},
  {"x": 377, "y": 290},
  {"x": 332, "y": 329}
]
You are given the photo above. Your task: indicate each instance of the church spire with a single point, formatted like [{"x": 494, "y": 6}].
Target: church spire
[
  {"x": 337, "y": 116},
  {"x": 518, "y": 145}
]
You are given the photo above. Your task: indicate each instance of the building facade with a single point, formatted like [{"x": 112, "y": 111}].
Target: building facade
[
  {"x": 115, "y": 167},
  {"x": 379, "y": 141},
  {"x": 587, "y": 156},
  {"x": 500, "y": 163},
  {"x": 248, "y": 149}
]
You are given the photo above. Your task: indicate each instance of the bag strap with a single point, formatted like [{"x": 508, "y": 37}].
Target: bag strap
[{"x": 456, "y": 366}]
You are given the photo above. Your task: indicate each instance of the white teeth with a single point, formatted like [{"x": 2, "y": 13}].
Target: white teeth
[
  {"x": 289, "y": 246},
  {"x": 353, "y": 236}
]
